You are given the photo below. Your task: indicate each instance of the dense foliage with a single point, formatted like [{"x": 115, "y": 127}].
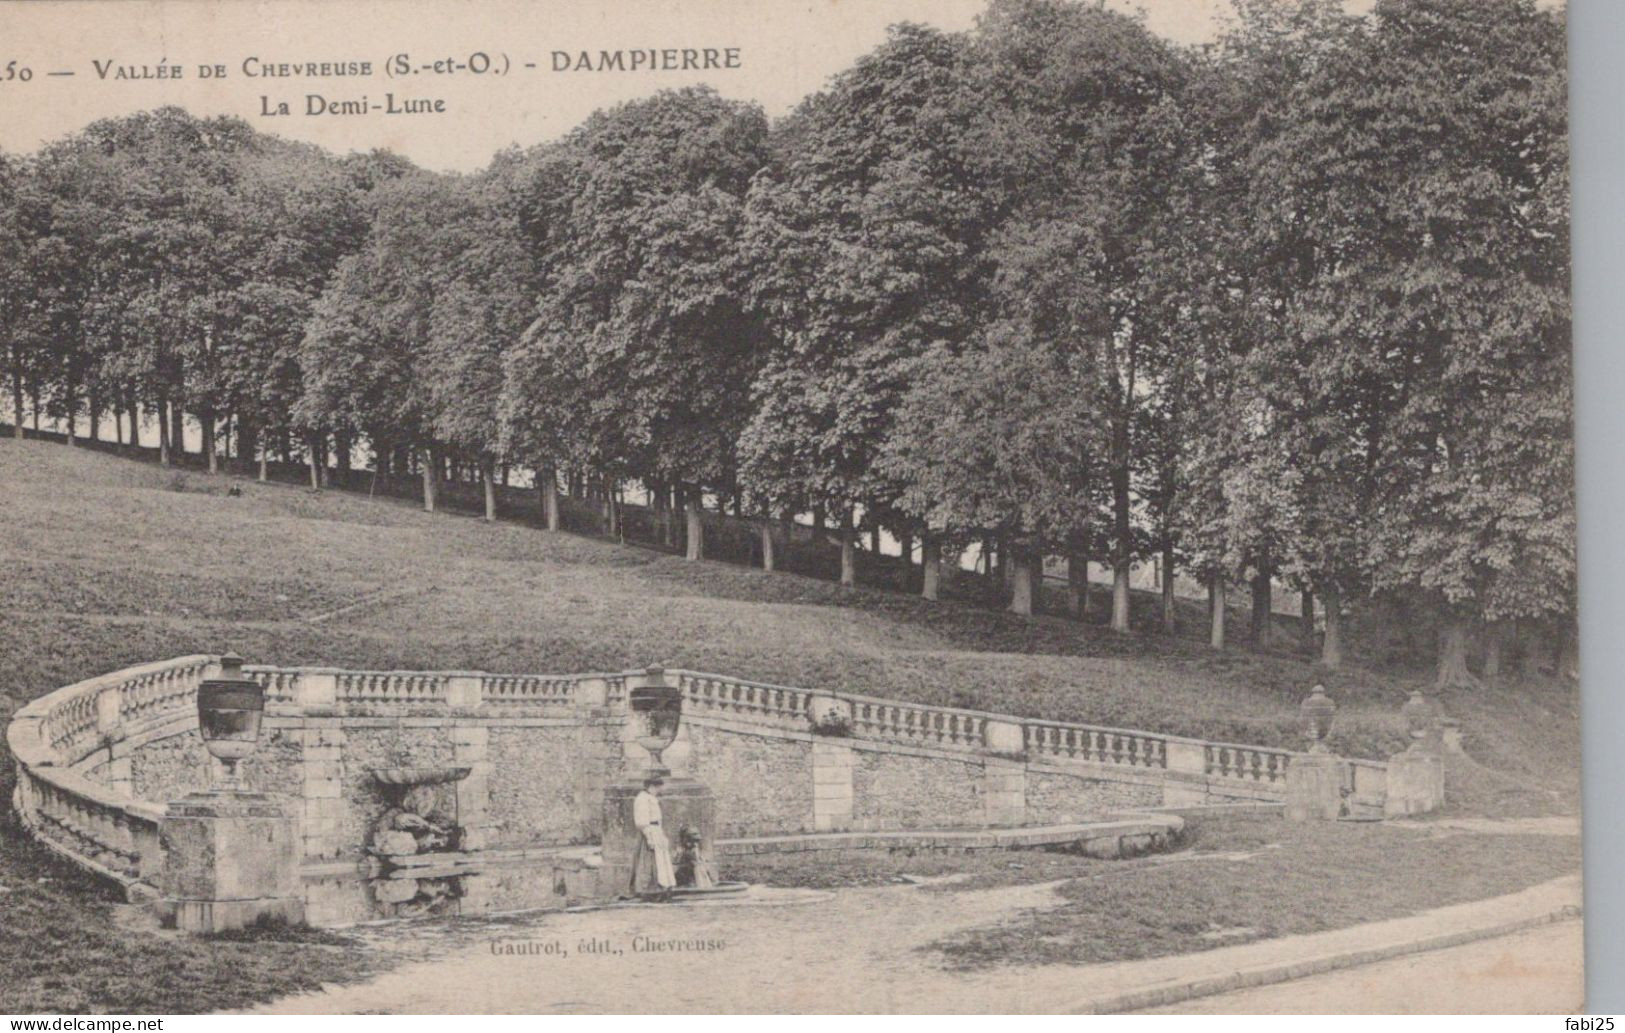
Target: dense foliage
[{"x": 1290, "y": 309}]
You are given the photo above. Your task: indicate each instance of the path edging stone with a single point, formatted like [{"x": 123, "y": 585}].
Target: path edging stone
[{"x": 1249, "y": 977}]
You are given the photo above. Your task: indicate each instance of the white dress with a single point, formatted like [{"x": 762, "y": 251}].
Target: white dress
[{"x": 654, "y": 850}]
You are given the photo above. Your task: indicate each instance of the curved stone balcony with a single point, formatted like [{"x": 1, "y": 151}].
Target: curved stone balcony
[{"x": 98, "y": 761}]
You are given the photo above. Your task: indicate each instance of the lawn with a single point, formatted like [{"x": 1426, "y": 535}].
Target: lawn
[
  {"x": 1262, "y": 877},
  {"x": 1234, "y": 879},
  {"x": 111, "y": 562}
]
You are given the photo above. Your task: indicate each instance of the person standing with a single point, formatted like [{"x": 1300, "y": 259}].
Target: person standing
[{"x": 651, "y": 866}]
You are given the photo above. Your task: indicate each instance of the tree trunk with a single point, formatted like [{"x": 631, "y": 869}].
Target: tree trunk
[
  {"x": 1021, "y": 580},
  {"x": 1262, "y": 607},
  {"x": 164, "y": 452},
  {"x": 1077, "y": 586},
  {"x": 906, "y": 553},
  {"x": 16, "y": 402},
  {"x": 265, "y": 447},
  {"x": 488, "y": 475},
  {"x": 73, "y": 420},
  {"x": 206, "y": 424},
  {"x": 95, "y": 416},
  {"x": 874, "y": 540},
  {"x": 1306, "y": 619},
  {"x": 930, "y": 565},
  {"x": 768, "y": 559},
  {"x": 1453, "y": 672},
  {"x": 430, "y": 467},
  {"x": 696, "y": 528},
  {"x": 1120, "y": 596},
  {"x": 314, "y": 449},
  {"x": 1170, "y": 619},
  {"x": 1216, "y": 604},
  {"x": 819, "y": 521},
  {"x": 1331, "y": 647},
  {"x": 849, "y": 559},
  {"x": 550, "y": 498},
  {"x": 1494, "y": 636},
  {"x": 177, "y": 429}
]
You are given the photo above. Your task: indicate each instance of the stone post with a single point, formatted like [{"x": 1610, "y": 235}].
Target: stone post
[
  {"x": 1415, "y": 781},
  {"x": 117, "y": 773},
  {"x": 830, "y": 719},
  {"x": 1314, "y": 787},
  {"x": 470, "y": 744},
  {"x": 230, "y": 860},
  {"x": 1004, "y": 774},
  {"x": 321, "y": 749},
  {"x": 1314, "y": 780},
  {"x": 1186, "y": 785},
  {"x": 833, "y": 762}
]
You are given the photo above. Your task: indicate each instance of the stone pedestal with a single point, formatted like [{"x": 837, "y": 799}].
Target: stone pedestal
[
  {"x": 1415, "y": 782},
  {"x": 1004, "y": 792},
  {"x": 230, "y": 859},
  {"x": 833, "y": 764},
  {"x": 1314, "y": 787},
  {"x": 683, "y": 802}
]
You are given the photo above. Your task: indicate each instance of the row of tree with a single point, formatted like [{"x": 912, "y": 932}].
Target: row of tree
[{"x": 1290, "y": 308}]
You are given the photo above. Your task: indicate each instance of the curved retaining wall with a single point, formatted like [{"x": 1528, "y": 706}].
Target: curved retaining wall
[{"x": 98, "y": 760}]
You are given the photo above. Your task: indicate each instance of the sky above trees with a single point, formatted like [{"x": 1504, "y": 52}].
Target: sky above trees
[{"x": 789, "y": 48}]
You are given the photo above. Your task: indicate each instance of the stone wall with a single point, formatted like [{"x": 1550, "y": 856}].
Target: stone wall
[
  {"x": 901, "y": 790},
  {"x": 537, "y": 792},
  {"x": 763, "y": 783},
  {"x": 99, "y": 760},
  {"x": 171, "y": 767},
  {"x": 1058, "y": 799}
]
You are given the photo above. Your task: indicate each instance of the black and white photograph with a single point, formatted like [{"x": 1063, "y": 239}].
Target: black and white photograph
[{"x": 803, "y": 507}]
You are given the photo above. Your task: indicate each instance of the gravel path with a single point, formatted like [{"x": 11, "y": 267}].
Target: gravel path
[
  {"x": 781, "y": 951},
  {"x": 1535, "y": 972}
]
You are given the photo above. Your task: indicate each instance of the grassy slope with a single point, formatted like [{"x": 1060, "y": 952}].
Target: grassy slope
[{"x": 109, "y": 562}]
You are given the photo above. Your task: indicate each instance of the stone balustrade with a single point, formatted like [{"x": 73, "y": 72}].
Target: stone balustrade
[
  {"x": 75, "y": 789},
  {"x": 767, "y": 704},
  {"x": 883, "y": 720},
  {"x": 1057, "y": 741},
  {"x": 97, "y": 825},
  {"x": 1255, "y": 764}
]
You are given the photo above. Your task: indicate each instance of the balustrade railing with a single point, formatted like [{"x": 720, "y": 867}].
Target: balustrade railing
[
  {"x": 109, "y": 832},
  {"x": 771, "y": 703},
  {"x": 527, "y": 690},
  {"x": 908, "y": 723},
  {"x": 1257, "y": 764},
  {"x": 93, "y": 825},
  {"x": 1055, "y": 740}
]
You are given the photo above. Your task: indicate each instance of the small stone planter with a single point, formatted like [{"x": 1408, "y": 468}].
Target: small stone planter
[{"x": 829, "y": 716}]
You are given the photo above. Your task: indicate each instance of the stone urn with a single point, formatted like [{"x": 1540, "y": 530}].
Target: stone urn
[
  {"x": 230, "y": 707},
  {"x": 656, "y": 705},
  {"x": 1315, "y": 715}
]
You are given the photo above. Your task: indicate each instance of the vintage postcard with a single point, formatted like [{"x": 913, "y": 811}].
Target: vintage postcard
[{"x": 787, "y": 506}]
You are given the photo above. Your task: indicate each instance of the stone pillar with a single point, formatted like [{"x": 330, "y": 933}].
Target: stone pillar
[
  {"x": 321, "y": 791},
  {"x": 469, "y": 746},
  {"x": 1186, "y": 785},
  {"x": 1004, "y": 774},
  {"x": 230, "y": 859},
  {"x": 833, "y": 761},
  {"x": 1314, "y": 787},
  {"x": 1415, "y": 782}
]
